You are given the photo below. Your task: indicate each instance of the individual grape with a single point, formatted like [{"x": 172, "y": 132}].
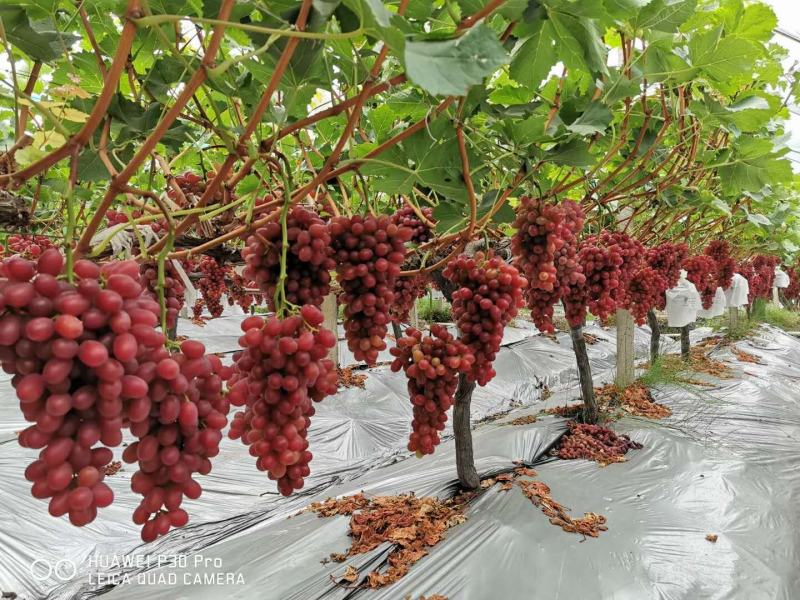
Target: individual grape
[
  {"x": 280, "y": 373},
  {"x": 545, "y": 249},
  {"x": 369, "y": 252},
  {"x": 488, "y": 295},
  {"x": 308, "y": 258},
  {"x": 432, "y": 365}
]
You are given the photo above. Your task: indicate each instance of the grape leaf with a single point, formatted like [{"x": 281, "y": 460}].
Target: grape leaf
[{"x": 451, "y": 67}]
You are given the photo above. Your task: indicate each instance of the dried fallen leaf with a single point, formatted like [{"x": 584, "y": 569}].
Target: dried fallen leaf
[
  {"x": 712, "y": 537},
  {"x": 413, "y": 524},
  {"x": 350, "y": 575}
]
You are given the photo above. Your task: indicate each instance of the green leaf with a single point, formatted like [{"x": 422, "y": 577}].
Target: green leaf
[
  {"x": 450, "y": 67},
  {"x": 724, "y": 59},
  {"x": 533, "y": 58},
  {"x": 594, "y": 119},
  {"x": 759, "y": 219},
  {"x": 574, "y": 153},
  {"x": 664, "y": 15},
  {"x": 753, "y": 165},
  {"x": 758, "y": 23},
  {"x": 790, "y": 246},
  {"x": 39, "y": 39}
]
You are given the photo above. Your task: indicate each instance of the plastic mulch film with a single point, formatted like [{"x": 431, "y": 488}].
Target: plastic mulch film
[{"x": 724, "y": 464}]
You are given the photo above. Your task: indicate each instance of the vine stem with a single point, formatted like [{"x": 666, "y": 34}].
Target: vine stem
[
  {"x": 69, "y": 199},
  {"x": 280, "y": 292}
]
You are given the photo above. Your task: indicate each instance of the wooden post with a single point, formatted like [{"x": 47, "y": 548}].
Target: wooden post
[
  {"x": 655, "y": 335},
  {"x": 462, "y": 427},
  {"x": 685, "y": 354},
  {"x": 414, "y": 316},
  {"x": 591, "y": 413},
  {"x": 330, "y": 311},
  {"x": 626, "y": 370},
  {"x": 733, "y": 317}
]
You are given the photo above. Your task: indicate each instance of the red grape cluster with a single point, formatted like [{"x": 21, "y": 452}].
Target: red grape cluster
[
  {"x": 793, "y": 291},
  {"x": 594, "y": 442},
  {"x": 193, "y": 186},
  {"x": 308, "y": 258},
  {"x": 74, "y": 351},
  {"x": 763, "y": 269},
  {"x": 406, "y": 292},
  {"x": 27, "y": 246},
  {"x": 488, "y": 295},
  {"x": 432, "y": 365},
  {"x": 720, "y": 251},
  {"x": 667, "y": 259},
  {"x": 701, "y": 270},
  {"x": 369, "y": 252},
  {"x": 421, "y": 232},
  {"x": 278, "y": 376},
  {"x": 211, "y": 285},
  {"x": 238, "y": 294},
  {"x": 545, "y": 249},
  {"x": 115, "y": 217},
  {"x": 609, "y": 261},
  {"x": 179, "y": 427},
  {"x": 645, "y": 290},
  {"x": 173, "y": 288}
]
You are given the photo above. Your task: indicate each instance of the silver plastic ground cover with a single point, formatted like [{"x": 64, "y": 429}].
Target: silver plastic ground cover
[{"x": 725, "y": 463}]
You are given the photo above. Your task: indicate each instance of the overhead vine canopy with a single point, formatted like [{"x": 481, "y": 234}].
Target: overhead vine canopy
[{"x": 664, "y": 115}]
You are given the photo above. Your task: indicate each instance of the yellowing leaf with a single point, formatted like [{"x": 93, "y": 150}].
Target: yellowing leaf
[
  {"x": 42, "y": 103},
  {"x": 28, "y": 156},
  {"x": 70, "y": 91},
  {"x": 76, "y": 116},
  {"x": 48, "y": 138}
]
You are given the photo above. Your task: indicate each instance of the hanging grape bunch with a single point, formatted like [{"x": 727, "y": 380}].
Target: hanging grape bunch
[
  {"x": 211, "y": 286},
  {"x": 488, "y": 295},
  {"x": 421, "y": 230},
  {"x": 26, "y": 246},
  {"x": 278, "y": 376},
  {"x": 545, "y": 249},
  {"x": 408, "y": 290},
  {"x": 75, "y": 351},
  {"x": 237, "y": 291},
  {"x": 173, "y": 288},
  {"x": 701, "y": 270},
  {"x": 432, "y": 365},
  {"x": 666, "y": 259},
  {"x": 720, "y": 251},
  {"x": 645, "y": 290},
  {"x": 179, "y": 427},
  {"x": 368, "y": 253},
  {"x": 308, "y": 259}
]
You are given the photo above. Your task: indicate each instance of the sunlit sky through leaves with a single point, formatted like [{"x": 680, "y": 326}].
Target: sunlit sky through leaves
[{"x": 788, "y": 35}]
